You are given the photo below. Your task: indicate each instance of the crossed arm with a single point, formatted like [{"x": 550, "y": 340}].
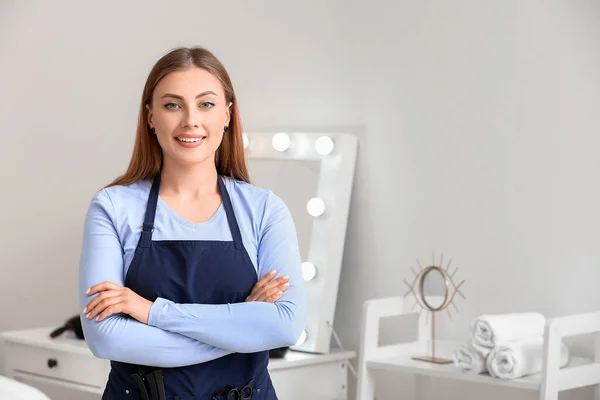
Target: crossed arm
[{"x": 166, "y": 334}]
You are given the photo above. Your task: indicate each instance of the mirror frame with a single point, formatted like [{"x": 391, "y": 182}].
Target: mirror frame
[
  {"x": 327, "y": 237},
  {"x": 439, "y": 270}
]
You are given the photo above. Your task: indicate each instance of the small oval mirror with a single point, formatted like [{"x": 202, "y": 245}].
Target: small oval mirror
[{"x": 434, "y": 288}]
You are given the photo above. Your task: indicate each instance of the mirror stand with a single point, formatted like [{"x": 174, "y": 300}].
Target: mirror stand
[
  {"x": 433, "y": 292},
  {"x": 433, "y": 358}
]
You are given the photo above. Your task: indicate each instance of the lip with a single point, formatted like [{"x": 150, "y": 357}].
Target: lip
[{"x": 188, "y": 136}]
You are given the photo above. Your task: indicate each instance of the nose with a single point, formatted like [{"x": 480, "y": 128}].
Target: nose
[{"x": 190, "y": 119}]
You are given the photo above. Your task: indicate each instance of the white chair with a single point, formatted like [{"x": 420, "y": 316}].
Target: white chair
[
  {"x": 583, "y": 372},
  {"x": 398, "y": 357},
  {"x": 11, "y": 389}
]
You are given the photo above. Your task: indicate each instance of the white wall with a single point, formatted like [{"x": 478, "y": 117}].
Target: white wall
[
  {"x": 478, "y": 124},
  {"x": 482, "y": 123}
]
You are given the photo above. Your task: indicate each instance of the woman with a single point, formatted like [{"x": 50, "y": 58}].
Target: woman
[{"x": 173, "y": 250}]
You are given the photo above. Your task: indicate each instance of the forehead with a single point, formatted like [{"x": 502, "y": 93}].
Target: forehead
[{"x": 188, "y": 83}]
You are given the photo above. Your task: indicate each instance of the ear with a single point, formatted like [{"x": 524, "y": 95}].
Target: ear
[
  {"x": 228, "y": 114},
  {"x": 149, "y": 116}
]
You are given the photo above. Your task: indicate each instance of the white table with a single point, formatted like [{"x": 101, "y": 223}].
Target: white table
[{"x": 65, "y": 368}]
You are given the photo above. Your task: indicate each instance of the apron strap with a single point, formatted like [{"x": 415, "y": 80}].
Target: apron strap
[
  {"x": 231, "y": 220},
  {"x": 148, "y": 226}
]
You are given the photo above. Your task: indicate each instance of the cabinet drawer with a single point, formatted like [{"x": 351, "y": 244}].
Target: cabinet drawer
[
  {"x": 86, "y": 370},
  {"x": 321, "y": 381}
]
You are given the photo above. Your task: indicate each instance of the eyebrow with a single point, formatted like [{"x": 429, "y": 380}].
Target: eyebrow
[{"x": 181, "y": 97}]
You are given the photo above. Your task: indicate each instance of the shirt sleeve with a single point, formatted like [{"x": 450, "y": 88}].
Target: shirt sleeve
[
  {"x": 119, "y": 337},
  {"x": 249, "y": 326}
]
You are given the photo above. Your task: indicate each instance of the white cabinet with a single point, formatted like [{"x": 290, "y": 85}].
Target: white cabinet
[{"x": 65, "y": 368}]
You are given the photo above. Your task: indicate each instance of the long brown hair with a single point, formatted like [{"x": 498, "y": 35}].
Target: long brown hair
[{"x": 147, "y": 157}]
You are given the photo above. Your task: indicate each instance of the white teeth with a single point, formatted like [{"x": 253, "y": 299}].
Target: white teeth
[{"x": 189, "y": 139}]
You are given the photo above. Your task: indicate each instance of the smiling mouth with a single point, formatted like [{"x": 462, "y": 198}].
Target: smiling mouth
[{"x": 190, "y": 139}]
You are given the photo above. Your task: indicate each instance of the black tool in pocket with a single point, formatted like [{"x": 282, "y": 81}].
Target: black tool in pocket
[
  {"x": 232, "y": 393},
  {"x": 150, "y": 385}
]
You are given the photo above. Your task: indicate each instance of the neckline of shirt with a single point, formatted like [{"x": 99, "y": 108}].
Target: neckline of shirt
[{"x": 163, "y": 205}]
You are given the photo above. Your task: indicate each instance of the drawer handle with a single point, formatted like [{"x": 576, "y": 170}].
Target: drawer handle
[{"x": 52, "y": 363}]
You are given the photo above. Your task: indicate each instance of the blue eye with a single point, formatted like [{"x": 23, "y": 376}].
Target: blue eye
[
  {"x": 207, "y": 104},
  {"x": 171, "y": 104}
]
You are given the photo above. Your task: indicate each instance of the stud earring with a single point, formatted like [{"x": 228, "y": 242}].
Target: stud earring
[
  {"x": 152, "y": 131},
  {"x": 225, "y": 129}
]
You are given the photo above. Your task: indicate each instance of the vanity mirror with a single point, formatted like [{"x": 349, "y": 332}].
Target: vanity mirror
[
  {"x": 434, "y": 290},
  {"x": 313, "y": 174}
]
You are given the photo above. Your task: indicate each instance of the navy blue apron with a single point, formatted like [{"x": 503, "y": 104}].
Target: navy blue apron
[{"x": 193, "y": 271}]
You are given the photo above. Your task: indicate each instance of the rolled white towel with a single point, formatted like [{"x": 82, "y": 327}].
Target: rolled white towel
[
  {"x": 489, "y": 330},
  {"x": 519, "y": 358},
  {"x": 470, "y": 358}
]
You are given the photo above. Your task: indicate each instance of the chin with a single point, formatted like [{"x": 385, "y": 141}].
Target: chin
[
  {"x": 189, "y": 157},
  {"x": 194, "y": 159}
]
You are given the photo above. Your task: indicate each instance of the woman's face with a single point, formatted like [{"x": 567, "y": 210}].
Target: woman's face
[{"x": 189, "y": 113}]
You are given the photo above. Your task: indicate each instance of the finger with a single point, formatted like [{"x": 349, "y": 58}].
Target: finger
[
  {"x": 109, "y": 302},
  {"x": 263, "y": 281},
  {"x": 272, "y": 284},
  {"x": 101, "y": 287},
  {"x": 265, "y": 284},
  {"x": 273, "y": 298},
  {"x": 96, "y": 300},
  {"x": 263, "y": 293},
  {"x": 285, "y": 286},
  {"x": 266, "y": 279},
  {"x": 260, "y": 293},
  {"x": 101, "y": 296},
  {"x": 270, "y": 293},
  {"x": 103, "y": 305},
  {"x": 114, "y": 309}
]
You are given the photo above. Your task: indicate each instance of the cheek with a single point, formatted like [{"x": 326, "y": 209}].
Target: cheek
[
  {"x": 164, "y": 141},
  {"x": 216, "y": 139},
  {"x": 215, "y": 122},
  {"x": 165, "y": 121}
]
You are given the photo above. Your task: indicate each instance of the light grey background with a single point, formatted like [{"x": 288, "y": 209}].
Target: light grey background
[{"x": 478, "y": 125}]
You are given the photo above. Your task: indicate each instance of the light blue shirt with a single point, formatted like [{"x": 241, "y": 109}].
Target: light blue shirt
[{"x": 185, "y": 334}]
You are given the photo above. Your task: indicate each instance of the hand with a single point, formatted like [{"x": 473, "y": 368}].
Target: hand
[
  {"x": 268, "y": 289},
  {"x": 115, "y": 299}
]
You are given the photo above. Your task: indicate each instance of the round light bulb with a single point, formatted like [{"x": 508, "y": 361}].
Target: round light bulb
[
  {"x": 309, "y": 271},
  {"x": 324, "y": 145},
  {"x": 245, "y": 140},
  {"x": 281, "y": 141},
  {"x": 315, "y": 207},
  {"x": 302, "y": 339}
]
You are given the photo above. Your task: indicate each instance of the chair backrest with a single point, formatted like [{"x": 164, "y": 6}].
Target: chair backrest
[
  {"x": 373, "y": 312},
  {"x": 579, "y": 372}
]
